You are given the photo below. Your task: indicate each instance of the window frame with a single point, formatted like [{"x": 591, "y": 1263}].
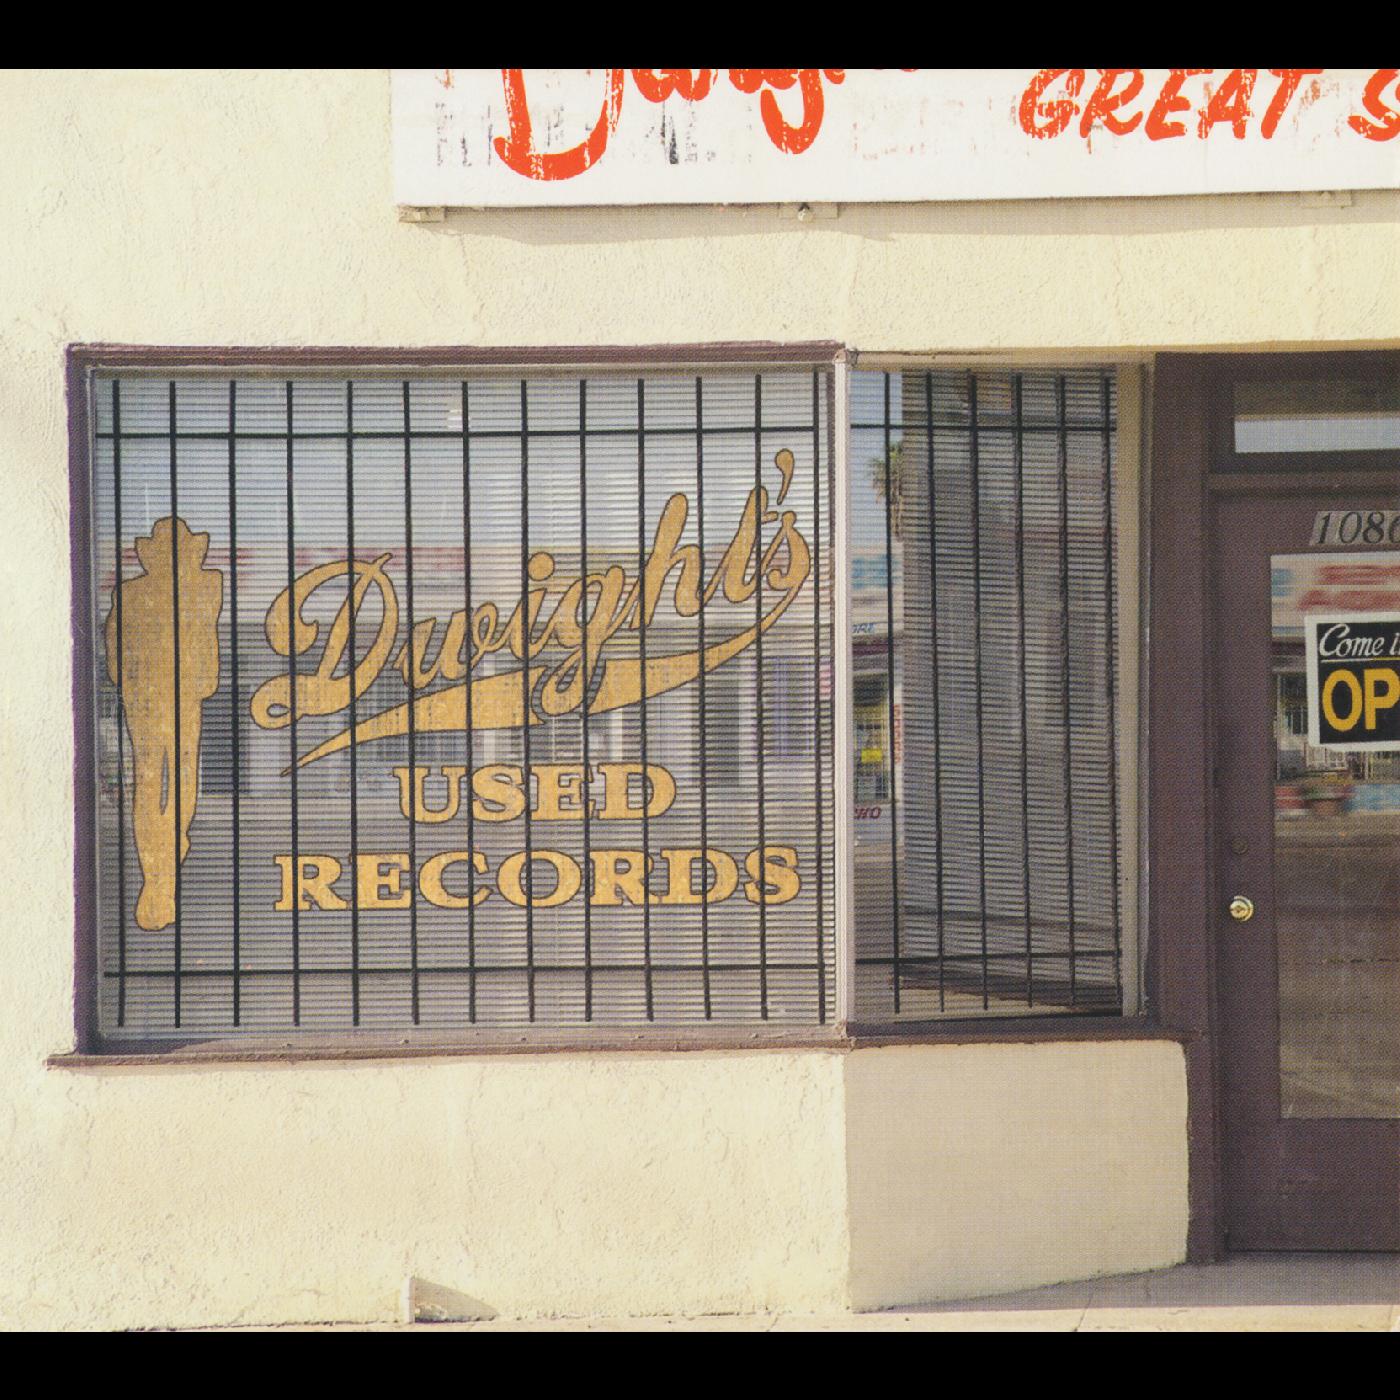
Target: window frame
[
  {"x": 84, "y": 364},
  {"x": 1224, "y": 460},
  {"x": 1138, "y": 1016},
  {"x": 842, "y": 1033}
]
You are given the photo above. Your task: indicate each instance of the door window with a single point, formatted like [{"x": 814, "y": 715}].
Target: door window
[{"x": 1336, "y": 835}]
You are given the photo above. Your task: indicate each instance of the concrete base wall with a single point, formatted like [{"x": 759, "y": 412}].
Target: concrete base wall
[
  {"x": 980, "y": 1169},
  {"x": 560, "y": 1185},
  {"x": 588, "y": 1184}
]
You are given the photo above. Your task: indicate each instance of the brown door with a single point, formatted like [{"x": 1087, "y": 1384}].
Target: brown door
[{"x": 1308, "y": 833}]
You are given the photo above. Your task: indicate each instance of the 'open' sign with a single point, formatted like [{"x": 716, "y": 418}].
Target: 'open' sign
[{"x": 1354, "y": 680}]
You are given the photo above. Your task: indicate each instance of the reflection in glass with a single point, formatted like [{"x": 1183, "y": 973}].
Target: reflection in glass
[{"x": 1336, "y": 883}]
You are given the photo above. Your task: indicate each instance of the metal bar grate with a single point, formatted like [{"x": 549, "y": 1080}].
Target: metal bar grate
[
  {"x": 641, "y": 606},
  {"x": 235, "y": 755},
  {"x": 354, "y": 714},
  {"x": 519, "y": 713},
  {"x": 295, "y": 897},
  {"x": 984, "y": 605}
]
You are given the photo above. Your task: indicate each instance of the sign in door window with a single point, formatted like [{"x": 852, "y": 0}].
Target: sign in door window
[{"x": 1353, "y": 669}]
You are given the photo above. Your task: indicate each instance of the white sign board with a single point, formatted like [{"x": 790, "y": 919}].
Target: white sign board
[{"x": 512, "y": 137}]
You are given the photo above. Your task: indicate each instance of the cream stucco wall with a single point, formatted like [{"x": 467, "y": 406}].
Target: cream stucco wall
[
  {"x": 254, "y": 208},
  {"x": 530, "y": 1184},
  {"x": 979, "y": 1169}
]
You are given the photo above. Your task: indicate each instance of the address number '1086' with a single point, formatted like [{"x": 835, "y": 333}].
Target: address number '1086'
[{"x": 1352, "y": 527}]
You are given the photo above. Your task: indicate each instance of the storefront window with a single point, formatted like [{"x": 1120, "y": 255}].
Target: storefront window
[
  {"x": 439, "y": 703},
  {"x": 989, "y": 825}
]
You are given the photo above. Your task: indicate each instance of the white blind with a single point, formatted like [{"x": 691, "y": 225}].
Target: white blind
[
  {"x": 986, "y": 688},
  {"x": 456, "y": 498}
]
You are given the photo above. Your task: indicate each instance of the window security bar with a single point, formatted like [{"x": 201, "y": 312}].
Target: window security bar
[
  {"x": 484, "y": 702},
  {"x": 985, "y": 636}
]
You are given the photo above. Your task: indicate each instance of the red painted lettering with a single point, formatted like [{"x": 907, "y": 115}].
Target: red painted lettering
[
  {"x": 1373, "y": 574},
  {"x": 1046, "y": 119},
  {"x": 792, "y": 139},
  {"x": 518, "y": 149},
  {"x": 1104, "y": 102},
  {"x": 1229, "y": 103},
  {"x": 1387, "y": 119},
  {"x": 657, "y": 84},
  {"x": 1170, "y": 100},
  {"x": 1288, "y": 80}
]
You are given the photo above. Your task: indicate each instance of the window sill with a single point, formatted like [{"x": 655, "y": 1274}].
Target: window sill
[
  {"x": 276, "y": 1050},
  {"x": 279, "y": 1050},
  {"x": 1021, "y": 1030}
]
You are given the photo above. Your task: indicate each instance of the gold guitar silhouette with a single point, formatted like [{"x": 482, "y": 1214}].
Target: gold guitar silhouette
[{"x": 172, "y": 557}]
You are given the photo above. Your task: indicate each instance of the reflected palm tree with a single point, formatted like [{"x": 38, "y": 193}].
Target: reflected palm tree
[{"x": 891, "y": 473}]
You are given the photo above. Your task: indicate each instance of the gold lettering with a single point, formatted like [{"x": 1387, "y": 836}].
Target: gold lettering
[
  {"x": 588, "y": 612},
  {"x": 322, "y": 692},
  {"x": 431, "y": 884},
  {"x": 444, "y": 663},
  {"x": 421, "y": 812},
  {"x": 617, "y": 878},
  {"x": 657, "y": 783},
  {"x": 665, "y": 556},
  {"x": 500, "y": 794},
  {"x": 380, "y": 882},
  {"x": 793, "y": 575},
  {"x": 567, "y": 684},
  {"x": 733, "y": 571},
  {"x": 485, "y": 639},
  {"x": 318, "y": 874},
  {"x": 779, "y": 875},
  {"x": 681, "y": 863},
  {"x": 568, "y": 879},
  {"x": 558, "y": 787}
]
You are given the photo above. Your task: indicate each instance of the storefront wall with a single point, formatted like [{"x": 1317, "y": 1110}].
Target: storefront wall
[
  {"x": 255, "y": 209},
  {"x": 980, "y": 1169}
]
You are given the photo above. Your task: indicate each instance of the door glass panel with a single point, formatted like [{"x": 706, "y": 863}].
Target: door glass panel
[{"x": 1336, "y": 846}]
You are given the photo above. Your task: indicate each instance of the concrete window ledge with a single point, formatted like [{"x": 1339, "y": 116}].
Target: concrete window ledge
[{"x": 277, "y": 1050}]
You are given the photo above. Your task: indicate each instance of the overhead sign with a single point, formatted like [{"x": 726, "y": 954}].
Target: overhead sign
[
  {"x": 1354, "y": 681},
  {"x": 503, "y": 137}
]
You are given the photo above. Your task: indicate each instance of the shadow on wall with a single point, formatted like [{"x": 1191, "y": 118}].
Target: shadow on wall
[
  {"x": 421, "y": 1301},
  {"x": 982, "y": 1169},
  {"x": 1243, "y": 1280},
  {"x": 1012, "y": 218}
]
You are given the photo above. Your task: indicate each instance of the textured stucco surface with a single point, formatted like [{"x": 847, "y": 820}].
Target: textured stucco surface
[
  {"x": 534, "y": 1184},
  {"x": 254, "y": 208},
  {"x": 980, "y": 1169}
]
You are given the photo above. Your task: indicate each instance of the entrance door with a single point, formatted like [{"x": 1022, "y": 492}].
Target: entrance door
[{"x": 1307, "y": 919}]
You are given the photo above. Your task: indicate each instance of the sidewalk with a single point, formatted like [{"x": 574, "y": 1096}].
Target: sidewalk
[{"x": 1247, "y": 1293}]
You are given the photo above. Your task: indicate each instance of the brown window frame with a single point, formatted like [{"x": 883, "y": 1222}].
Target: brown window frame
[{"x": 92, "y": 1050}]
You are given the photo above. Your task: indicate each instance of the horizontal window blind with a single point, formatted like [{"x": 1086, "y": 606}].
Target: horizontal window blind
[
  {"x": 435, "y": 703},
  {"x": 984, "y": 605}
]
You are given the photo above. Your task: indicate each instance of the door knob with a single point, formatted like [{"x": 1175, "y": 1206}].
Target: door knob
[{"x": 1241, "y": 908}]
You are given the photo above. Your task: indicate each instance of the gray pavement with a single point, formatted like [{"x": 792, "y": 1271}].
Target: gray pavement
[{"x": 1245, "y": 1293}]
